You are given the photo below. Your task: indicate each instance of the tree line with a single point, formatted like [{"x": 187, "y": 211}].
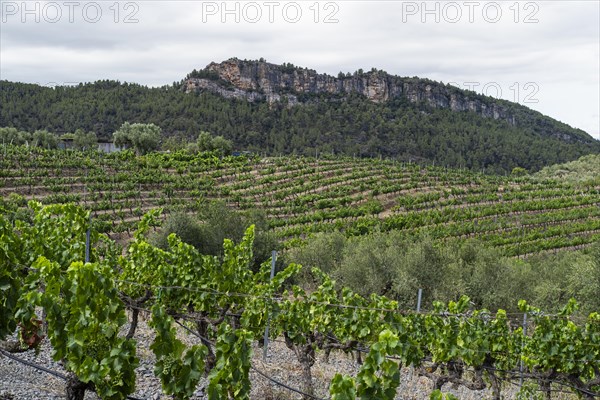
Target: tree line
[
  {"x": 143, "y": 138},
  {"x": 396, "y": 266},
  {"x": 322, "y": 125}
]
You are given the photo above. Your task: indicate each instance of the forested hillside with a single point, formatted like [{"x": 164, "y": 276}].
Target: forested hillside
[{"x": 350, "y": 125}]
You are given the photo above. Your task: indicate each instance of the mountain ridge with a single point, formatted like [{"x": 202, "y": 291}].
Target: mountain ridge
[
  {"x": 258, "y": 80},
  {"x": 371, "y": 114}
]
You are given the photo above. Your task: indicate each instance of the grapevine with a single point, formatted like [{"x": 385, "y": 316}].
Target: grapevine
[{"x": 228, "y": 306}]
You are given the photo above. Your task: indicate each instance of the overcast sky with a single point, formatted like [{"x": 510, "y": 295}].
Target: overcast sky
[{"x": 543, "y": 54}]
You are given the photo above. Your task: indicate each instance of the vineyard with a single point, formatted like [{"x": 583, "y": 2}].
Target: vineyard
[
  {"x": 303, "y": 196},
  {"x": 89, "y": 313}
]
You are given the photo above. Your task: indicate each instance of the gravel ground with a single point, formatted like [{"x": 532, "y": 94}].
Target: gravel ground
[{"x": 24, "y": 382}]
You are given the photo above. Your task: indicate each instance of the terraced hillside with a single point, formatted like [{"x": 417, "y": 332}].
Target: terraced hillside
[{"x": 301, "y": 196}]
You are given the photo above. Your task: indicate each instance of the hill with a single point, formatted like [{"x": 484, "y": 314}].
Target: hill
[
  {"x": 587, "y": 168},
  {"x": 263, "y": 81},
  {"x": 302, "y": 196},
  {"x": 277, "y": 110}
]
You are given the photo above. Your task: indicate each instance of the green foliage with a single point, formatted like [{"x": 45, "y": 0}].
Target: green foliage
[
  {"x": 85, "y": 140},
  {"x": 324, "y": 251},
  {"x": 220, "y": 223},
  {"x": 518, "y": 171},
  {"x": 208, "y": 142},
  {"x": 185, "y": 226},
  {"x": 552, "y": 346},
  {"x": 298, "y": 198},
  {"x": 13, "y": 136},
  {"x": 230, "y": 305},
  {"x": 369, "y": 264},
  {"x": 215, "y": 288},
  {"x": 230, "y": 379},
  {"x": 584, "y": 279},
  {"x": 10, "y": 281},
  {"x": 379, "y": 376},
  {"x": 44, "y": 139},
  {"x": 83, "y": 329},
  {"x": 179, "y": 370},
  {"x": 397, "y": 265},
  {"x": 342, "y": 388},
  {"x": 215, "y": 223},
  {"x": 585, "y": 169},
  {"x": 203, "y": 74},
  {"x": 396, "y": 129},
  {"x": 182, "y": 265},
  {"x": 142, "y": 137},
  {"x": 39, "y": 138},
  {"x": 529, "y": 391},
  {"x": 392, "y": 265},
  {"x": 439, "y": 395},
  {"x": 174, "y": 143},
  {"x": 489, "y": 279},
  {"x": 57, "y": 233}
]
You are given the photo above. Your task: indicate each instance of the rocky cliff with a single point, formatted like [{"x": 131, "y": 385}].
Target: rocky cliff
[{"x": 262, "y": 81}]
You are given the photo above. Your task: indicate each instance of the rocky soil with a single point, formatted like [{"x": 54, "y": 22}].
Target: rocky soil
[{"x": 18, "y": 381}]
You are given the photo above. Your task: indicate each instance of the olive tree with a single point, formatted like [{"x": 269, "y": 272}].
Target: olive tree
[
  {"x": 142, "y": 137},
  {"x": 12, "y": 136},
  {"x": 45, "y": 139},
  {"x": 84, "y": 140},
  {"x": 207, "y": 142}
]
